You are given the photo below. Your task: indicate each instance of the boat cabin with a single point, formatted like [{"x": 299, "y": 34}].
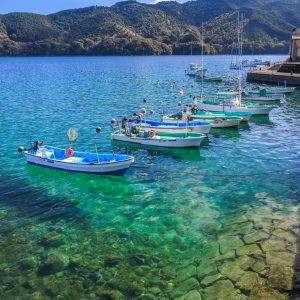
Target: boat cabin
[
  {"x": 295, "y": 46},
  {"x": 194, "y": 66}
]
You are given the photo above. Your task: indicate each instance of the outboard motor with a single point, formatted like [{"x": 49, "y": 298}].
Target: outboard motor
[
  {"x": 36, "y": 146},
  {"x": 134, "y": 130}
]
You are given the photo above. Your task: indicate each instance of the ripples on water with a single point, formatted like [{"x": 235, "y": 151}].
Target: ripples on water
[{"x": 158, "y": 232}]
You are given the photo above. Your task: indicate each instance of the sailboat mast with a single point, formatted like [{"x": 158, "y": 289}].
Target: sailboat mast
[
  {"x": 239, "y": 59},
  {"x": 202, "y": 61}
]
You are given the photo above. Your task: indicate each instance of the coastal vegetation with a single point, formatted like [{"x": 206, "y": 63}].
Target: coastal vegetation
[{"x": 133, "y": 28}]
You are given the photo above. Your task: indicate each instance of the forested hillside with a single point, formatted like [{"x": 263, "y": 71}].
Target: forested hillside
[{"x": 132, "y": 28}]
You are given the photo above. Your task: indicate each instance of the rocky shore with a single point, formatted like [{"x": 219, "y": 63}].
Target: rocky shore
[{"x": 250, "y": 256}]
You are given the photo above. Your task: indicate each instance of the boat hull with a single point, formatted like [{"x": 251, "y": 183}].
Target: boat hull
[
  {"x": 233, "y": 108},
  {"x": 220, "y": 122},
  {"x": 287, "y": 90},
  {"x": 174, "y": 129},
  {"x": 244, "y": 116},
  {"x": 166, "y": 143},
  {"x": 216, "y": 122},
  {"x": 262, "y": 98},
  {"x": 109, "y": 168}
]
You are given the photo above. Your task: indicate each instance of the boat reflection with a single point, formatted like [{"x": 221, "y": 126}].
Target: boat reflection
[
  {"x": 188, "y": 154},
  {"x": 261, "y": 120}
]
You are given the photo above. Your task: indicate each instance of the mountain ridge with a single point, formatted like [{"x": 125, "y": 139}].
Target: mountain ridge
[{"x": 134, "y": 28}]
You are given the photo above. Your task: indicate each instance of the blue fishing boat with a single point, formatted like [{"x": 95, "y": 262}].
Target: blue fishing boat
[
  {"x": 176, "y": 127},
  {"x": 81, "y": 162},
  {"x": 75, "y": 161}
]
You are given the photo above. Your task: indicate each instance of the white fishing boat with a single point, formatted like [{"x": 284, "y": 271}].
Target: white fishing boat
[
  {"x": 263, "y": 98},
  {"x": 195, "y": 69},
  {"x": 158, "y": 139},
  {"x": 243, "y": 115},
  {"x": 166, "y": 127},
  {"x": 216, "y": 121},
  {"x": 232, "y": 103},
  {"x": 273, "y": 90},
  {"x": 75, "y": 161},
  {"x": 81, "y": 162},
  {"x": 246, "y": 63}
]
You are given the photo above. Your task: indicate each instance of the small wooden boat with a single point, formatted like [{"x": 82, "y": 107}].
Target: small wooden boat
[
  {"x": 158, "y": 139},
  {"x": 191, "y": 127},
  {"x": 81, "y": 162}
]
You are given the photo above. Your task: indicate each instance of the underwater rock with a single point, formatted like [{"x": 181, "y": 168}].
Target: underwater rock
[
  {"x": 53, "y": 263},
  {"x": 225, "y": 256},
  {"x": 259, "y": 267},
  {"x": 111, "y": 261},
  {"x": 281, "y": 277},
  {"x": 293, "y": 248},
  {"x": 138, "y": 260},
  {"x": 285, "y": 235},
  {"x": 75, "y": 261},
  {"x": 263, "y": 223},
  {"x": 290, "y": 224},
  {"x": 168, "y": 272},
  {"x": 248, "y": 281},
  {"x": 211, "y": 250},
  {"x": 179, "y": 243},
  {"x": 245, "y": 262},
  {"x": 241, "y": 228},
  {"x": 185, "y": 287},
  {"x": 248, "y": 250},
  {"x": 273, "y": 245},
  {"x": 285, "y": 259},
  {"x": 197, "y": 261},
  {"x": 154, "y": 290},
  {"x": 221, "y": 290},
  {"x": 266, "y": 293},
  {"x": 37, "y": 295},
  {"x": 52, "y": 239},
  {"x": 236, "y": 220},
  {"x": 146, "y": 296},
  {"x": 231, "y": 270},
  {"x": 109, "y": 295},
  {"x": 128, "y": 283},
  {"x": 211, "y": 279},
  {"x": 185, "y": 273},
  {"x": 192, "y": 295},
  {"x": 27, "y": 263},
  {"x": 228, "y": 243},
  {"x": 206, "y": 269},
  {"x": 210, "y": 228},
  {"x": 255, "y": 237}
]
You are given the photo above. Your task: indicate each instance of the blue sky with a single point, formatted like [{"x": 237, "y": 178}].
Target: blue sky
[{"x": 50, "y": 6}]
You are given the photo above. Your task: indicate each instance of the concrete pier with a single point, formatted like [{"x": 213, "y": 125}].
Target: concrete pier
[{"x": 278, "y": 73}]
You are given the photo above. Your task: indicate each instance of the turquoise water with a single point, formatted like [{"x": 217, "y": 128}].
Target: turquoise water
[{"x": 214, "y": 221}]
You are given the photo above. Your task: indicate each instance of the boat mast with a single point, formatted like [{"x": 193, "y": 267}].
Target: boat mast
[
  {"x": 202, "y": 62},
  {"x": 240, "y": 47}
]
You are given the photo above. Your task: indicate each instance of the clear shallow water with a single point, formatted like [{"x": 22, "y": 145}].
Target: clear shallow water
[{"x": 177, "y": 223}]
